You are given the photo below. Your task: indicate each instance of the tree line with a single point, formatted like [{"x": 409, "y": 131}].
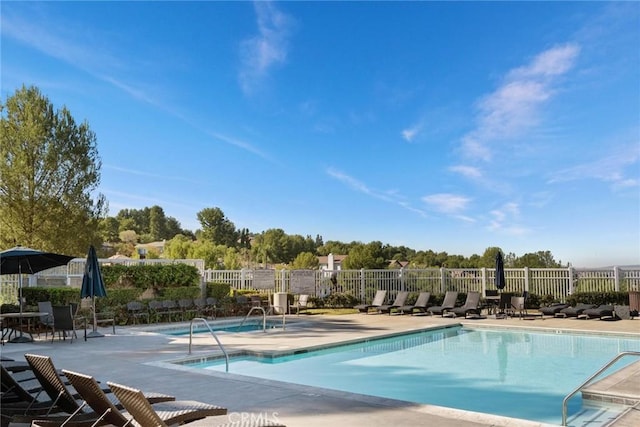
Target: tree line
[{"x": 50, "y": 174}]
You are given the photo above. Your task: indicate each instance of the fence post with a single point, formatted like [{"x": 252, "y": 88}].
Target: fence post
[
  {"x": 526, "y": 279},
  {"x": 443, "y": 280},
  {"x": 362, "y": 296},
  {"x": 483, "y": 272},
  {"x": 401, "y": 275},
  {"x": 616, "y": 278},
  {"x": 570, "y": 287}
]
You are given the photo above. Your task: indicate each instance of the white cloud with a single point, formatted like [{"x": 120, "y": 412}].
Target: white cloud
[
  {"x": 513, "y": 108},
  {"x": 447, "y": 203},
  {"x": 263, "y": 51},
  {"x": 410, "y": 133},
  {"x": 467, "y": 171}
]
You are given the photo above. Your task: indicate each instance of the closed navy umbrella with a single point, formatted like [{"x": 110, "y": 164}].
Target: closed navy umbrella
[
  {"x": 500, "y": 280},
  {"x": 93, "y": 286},
  {"x": 21, "y": 260}
]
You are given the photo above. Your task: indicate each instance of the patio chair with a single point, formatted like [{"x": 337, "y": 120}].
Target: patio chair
[
  {"x": 171, "y": 412},
  {"x": 187, "y": 308},
  {"x": 63, "y": 322},
  {"x": 449, "y": 302},
  {"x": 45, "y": 323},
  {"x": 401, "y": 298},
  {"x": 471, "y": 306},
  {"x": 574, "y": 311},
  {"x": 18, "y": 399},
  {"x": 301, "y": 303},
  {"x": 378, "y": 300},
  {"x": 136, "y": 312},
  {"x": 176, "y": 413},
  {"x": 504, "y": 305},
  {"x": 157, "y": 312},
  {"x": 421, "y": 304},
  {"x": 171, "y": 310}
]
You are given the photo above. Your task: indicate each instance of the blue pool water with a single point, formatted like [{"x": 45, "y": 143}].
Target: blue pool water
[
  {"x": 520, "y": 374},
  {"x": 231, "y": 327}
]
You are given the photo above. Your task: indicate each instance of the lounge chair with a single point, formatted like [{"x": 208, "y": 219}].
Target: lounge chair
[
  {"x": 574, "y": 311},
  {"x": 173, "y": 412},
  {"x": 67, "y": 399},
  {"x": 471, "y": 306},
  {"x": 17, "y": 399},
  {"x": 604, "y": 310},
  {"x": 145, "y": 414},
  {"x": 302, "y": 303},
  {"x": 378, "y": 300},
  {"x": 401, "y": 298},
  {"x": 421, "y": 304},
  {"x": 448, "y": 303},
  {"x": 553, "y": 309}
]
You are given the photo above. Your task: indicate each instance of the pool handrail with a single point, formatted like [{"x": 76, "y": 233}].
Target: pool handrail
[
  {"x": 565, "y": 401},
  {"x": 226, "y": 355},
  {"x": 264, "y": 317}
]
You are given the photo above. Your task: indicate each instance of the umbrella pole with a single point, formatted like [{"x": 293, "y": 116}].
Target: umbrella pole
[
  {"x": 94, "y": 333},
  {"x": 21, "y": 338}
]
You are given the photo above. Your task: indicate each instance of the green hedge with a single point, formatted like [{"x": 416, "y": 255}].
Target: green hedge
[{"x": 146, "y": 276}]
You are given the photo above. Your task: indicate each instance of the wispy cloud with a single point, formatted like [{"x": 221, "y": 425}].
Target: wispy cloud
[
  {"x": 151, "y": 175},
  {"x": 447, "y": 203},
  {"x": 73, "y": 46},
  {"x": 467, "y": 171},
  {"x": 505, "y": 220},
  {"x": 411, "y": 132},
  {"x": 611, "y": 169},
  {"x": 514, "y": 106},
  {"x": 269, "y": 47},
  {"x": 391, "y": 196}
]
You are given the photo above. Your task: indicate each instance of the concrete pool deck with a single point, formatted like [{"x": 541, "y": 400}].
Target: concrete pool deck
[{"x": 135, "y": 356}]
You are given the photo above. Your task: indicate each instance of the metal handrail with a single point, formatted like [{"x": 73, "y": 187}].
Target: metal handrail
[
  {"x": 264, "y": 317},
  {"x": 226, "y": 356},
  {"x": 565, "y": 401}
]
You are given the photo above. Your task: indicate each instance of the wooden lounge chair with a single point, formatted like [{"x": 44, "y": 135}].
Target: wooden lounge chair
[
  {"x": 421, "y": 304},
  {"x": 16, "y": 399},
  {"x": 145, "y": 414},
  {"x": 401, "y": 298},
  {"x": 173, "y": 412},
  {"x": 471, "y": 306},
  {"x": 378, "y": 300},
  {"x": 448, "y": 303}
]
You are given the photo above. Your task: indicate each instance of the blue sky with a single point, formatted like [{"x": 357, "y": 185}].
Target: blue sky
[{"x": 450, "y": 126}]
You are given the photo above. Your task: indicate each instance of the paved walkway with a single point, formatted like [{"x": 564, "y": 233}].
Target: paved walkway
[{"x": 135, "y": 356}]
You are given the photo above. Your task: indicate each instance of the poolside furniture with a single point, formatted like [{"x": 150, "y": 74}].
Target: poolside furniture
[
  {"x": 603, "y": 310},
  {"x": 574, "y": 311},
  {"x": 491, "y": 299},
  {"x": 504, "y": 305},
  {"x": 146, "y": 415},
  {"x": 553, "y": 309},
  {"x": 172, "y": 412},
  {"x": 634, "y": 304},
  {"x": 187, "y": 308},
  {"x": 46, "y": 320},
  {"x": 448, "y": 303},
  {"x": 471, "y": 306},
  {"x": 301, "y": 303},
  {"x": 378, "y": 300},
  {"x": 136, "y": 312},
  {"x": 421, "y": 304},
  {"x": 401, "y": 298},
  {"x": 18, "y": 399},
  {"x": 171, "y": 310},
  {"x": 63, "y": 322}
]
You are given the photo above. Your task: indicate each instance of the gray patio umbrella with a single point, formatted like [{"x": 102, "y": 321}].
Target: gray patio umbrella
[
  {"x": 21, "y": 260},
  {"x": 93, "y": 286},
  {"x": 500, "y": 280}
]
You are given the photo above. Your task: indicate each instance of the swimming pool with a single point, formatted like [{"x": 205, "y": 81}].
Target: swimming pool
[
  {"x": 521, "y": 374},
  {"x": 234, "y": 326}
]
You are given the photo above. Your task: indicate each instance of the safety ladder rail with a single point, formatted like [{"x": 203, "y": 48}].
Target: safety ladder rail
[
  {"x": 588, "y": 381},
  {"x": 226, "y": 355},
  {"x": 264, "y": 317}
]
